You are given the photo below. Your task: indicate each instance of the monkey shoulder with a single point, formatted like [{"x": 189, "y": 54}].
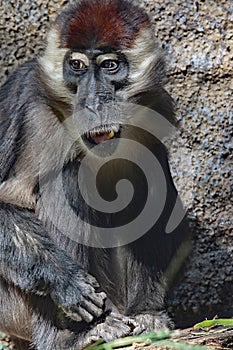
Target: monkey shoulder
[
  {"x": 20, "y": 86},
  {"x": 16, "y": 94}
]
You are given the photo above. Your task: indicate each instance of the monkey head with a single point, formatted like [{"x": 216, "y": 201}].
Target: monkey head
[{"x": 100, "y": 55}]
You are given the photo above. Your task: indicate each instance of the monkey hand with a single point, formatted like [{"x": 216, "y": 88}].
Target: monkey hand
[{"x": 77, "y": 296}]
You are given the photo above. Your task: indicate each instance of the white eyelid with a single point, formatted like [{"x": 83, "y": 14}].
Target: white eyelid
[
  {"x": 106, "y": 56},
  {"x": 81, "y": 57}
]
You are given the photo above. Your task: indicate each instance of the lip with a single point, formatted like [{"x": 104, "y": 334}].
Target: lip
[{"x": 102, "y": 134}]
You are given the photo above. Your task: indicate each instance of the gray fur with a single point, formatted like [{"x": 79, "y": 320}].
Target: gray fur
[{"x": 49, "y": 299}]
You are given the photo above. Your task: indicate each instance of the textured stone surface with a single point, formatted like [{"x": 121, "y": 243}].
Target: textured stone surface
[{"x": 197, "y": 37}]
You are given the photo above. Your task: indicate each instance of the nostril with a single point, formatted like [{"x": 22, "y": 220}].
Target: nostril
[
  {"x": 92, "y": 109},
  {"x": 99, "y": 108}
]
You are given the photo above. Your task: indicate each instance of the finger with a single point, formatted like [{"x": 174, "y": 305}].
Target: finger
[
  {"x": 98, "y": 298},
  {"x": 92, "y": 308},
  {"x": 73, "y": 315},
  {"x": 86, "y": 316}
]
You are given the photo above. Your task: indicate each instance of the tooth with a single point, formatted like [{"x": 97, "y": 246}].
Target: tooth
[{"x": 111, "y": 134}]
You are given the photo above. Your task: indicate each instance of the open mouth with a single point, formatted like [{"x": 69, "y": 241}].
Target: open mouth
[{"x": 102, "y": 134}]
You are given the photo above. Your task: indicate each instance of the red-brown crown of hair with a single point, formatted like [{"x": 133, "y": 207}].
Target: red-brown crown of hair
[{"x": 101, "y": 23}]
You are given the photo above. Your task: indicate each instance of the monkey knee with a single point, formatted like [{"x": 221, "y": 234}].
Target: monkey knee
[
  {"x": 21, "y": 344},
  {"x": 16, "y": 313}
]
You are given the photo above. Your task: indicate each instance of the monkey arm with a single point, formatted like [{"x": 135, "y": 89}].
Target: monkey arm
[{"x": 33, "y": 263}]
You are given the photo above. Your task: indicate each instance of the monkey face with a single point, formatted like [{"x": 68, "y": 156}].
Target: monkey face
[{"x": 95, "y": 77}]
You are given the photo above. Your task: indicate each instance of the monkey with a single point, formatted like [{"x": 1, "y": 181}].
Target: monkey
[{"x": 68, "y": 275}]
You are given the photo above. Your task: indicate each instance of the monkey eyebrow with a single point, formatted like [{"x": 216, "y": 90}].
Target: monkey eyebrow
[
  {"x": 80, "y": 56},
  {"x": 106, "y": 56}
]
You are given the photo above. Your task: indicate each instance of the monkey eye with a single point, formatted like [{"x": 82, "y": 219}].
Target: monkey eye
[
  {"x": 78, "y": 61},
  {"x": 108, "y": 61},
  {"x": 77, "y": 65},
  {"x": 110, "y": 64}
]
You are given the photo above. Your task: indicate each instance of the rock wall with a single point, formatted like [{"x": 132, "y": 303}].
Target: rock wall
[{"x": 197, "y": 37}]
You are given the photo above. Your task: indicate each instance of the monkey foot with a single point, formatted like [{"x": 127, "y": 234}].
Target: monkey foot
[
  {"x": 115, "y": 326},
  {"x": 149, "y": 323}
]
